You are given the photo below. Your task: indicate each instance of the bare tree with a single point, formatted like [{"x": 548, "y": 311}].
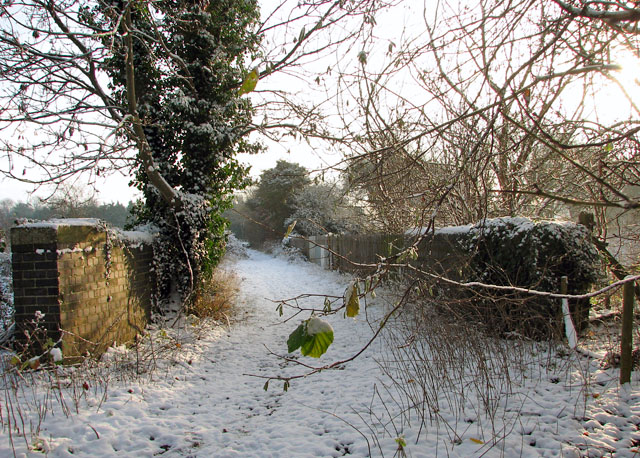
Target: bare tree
[
  {"x": 509, "y": 97},
  {"x": 60, "y": 117},
  {"x": 71, "y": 202},
  {"x": 158, "y": 90}
]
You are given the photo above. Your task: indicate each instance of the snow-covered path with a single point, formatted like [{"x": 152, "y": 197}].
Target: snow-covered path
[
  {"x": 205, "y": 405},
  {"x": 212, "y": 409},
  {"x": 234, "y": 416}
]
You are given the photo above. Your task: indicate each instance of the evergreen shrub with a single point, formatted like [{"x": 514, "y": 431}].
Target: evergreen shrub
[{"x": 532, "y": 255}]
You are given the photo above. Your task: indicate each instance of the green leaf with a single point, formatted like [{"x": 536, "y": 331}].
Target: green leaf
[
  {"x": 317, "y": 344},
  {"x": 250, "y": 82},
  {"x": 410, "y": 253},
  {"x": 327, "y": 305},
  {"x": 296, "y": 338},
  {"x": 280, "y": 310},
  {"x": 413, "y": 253},
  {"x": 313, "y": 337},
  {"x": 266, "y": 385},
  {"x": 290, "y": 229},
  {"x": 351, "y": 300},
  {"x": 286, "y": 385},
  {"x": 401, "y": 442}
]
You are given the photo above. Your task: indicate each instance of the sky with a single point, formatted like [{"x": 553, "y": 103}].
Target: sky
[{"x": 115, "y": 188}]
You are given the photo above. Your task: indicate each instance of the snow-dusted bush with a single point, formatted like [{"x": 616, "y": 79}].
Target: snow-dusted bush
[
  {"x": 324, "y": 207},
  {"x": 236, "y": 248},
  {"x": 283, "y": 249},
  {"x": 6, "y": 292},
  {"x": 534, "y": 255}
]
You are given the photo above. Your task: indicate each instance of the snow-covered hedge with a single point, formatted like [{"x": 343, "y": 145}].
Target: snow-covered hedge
[{"x": 535, "y": 255}]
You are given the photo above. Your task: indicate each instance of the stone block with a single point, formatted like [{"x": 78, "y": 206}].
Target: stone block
[{"x": 33, "y": 235}]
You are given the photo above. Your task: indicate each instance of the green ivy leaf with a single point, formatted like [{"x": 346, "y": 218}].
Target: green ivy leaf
[{"x": 296, "y": 338}]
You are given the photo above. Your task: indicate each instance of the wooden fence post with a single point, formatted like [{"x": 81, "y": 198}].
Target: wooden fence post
[
  {"x": 626, "y": 340},
  {"x": 564, "y": 284}
]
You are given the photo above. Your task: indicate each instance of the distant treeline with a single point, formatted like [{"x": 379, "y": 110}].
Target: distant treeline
[{"x": 115, "y": 214}]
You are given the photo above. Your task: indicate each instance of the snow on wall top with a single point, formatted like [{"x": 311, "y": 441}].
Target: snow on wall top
[
  {"x": 55, "y": 223},
  {"x": 516, "y": 224},
  {"x": 144, "y": 235}
]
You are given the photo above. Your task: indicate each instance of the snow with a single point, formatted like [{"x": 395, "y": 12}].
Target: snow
[
  {"x": 207, "y": 399},
  {"x": 56, "y": 354},
  {"x": 316, "y": 325},
  {"x": 55, "y": 223},
  {"x": 519, "y": 224},
  {"x": 455, "y": 230},
  {"x": 138, "y": 238},
  {"x": 143, "y": 235}
]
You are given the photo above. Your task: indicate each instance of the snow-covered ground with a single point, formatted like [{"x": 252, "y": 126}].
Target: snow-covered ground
[{"x": 208, "y": 404}]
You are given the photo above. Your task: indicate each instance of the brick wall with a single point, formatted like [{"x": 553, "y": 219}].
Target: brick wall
[{"x": 93, "y": 285}]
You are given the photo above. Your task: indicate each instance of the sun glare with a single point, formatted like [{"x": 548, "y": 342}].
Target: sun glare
[{"x": 626, "y": 93}]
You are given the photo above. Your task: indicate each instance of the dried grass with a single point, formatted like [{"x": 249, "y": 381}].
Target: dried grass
[{"x": 216, "y": 299}]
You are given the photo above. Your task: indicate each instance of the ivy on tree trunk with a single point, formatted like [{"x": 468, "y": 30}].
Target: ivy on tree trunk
[{"x": 178, "y": 67}]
